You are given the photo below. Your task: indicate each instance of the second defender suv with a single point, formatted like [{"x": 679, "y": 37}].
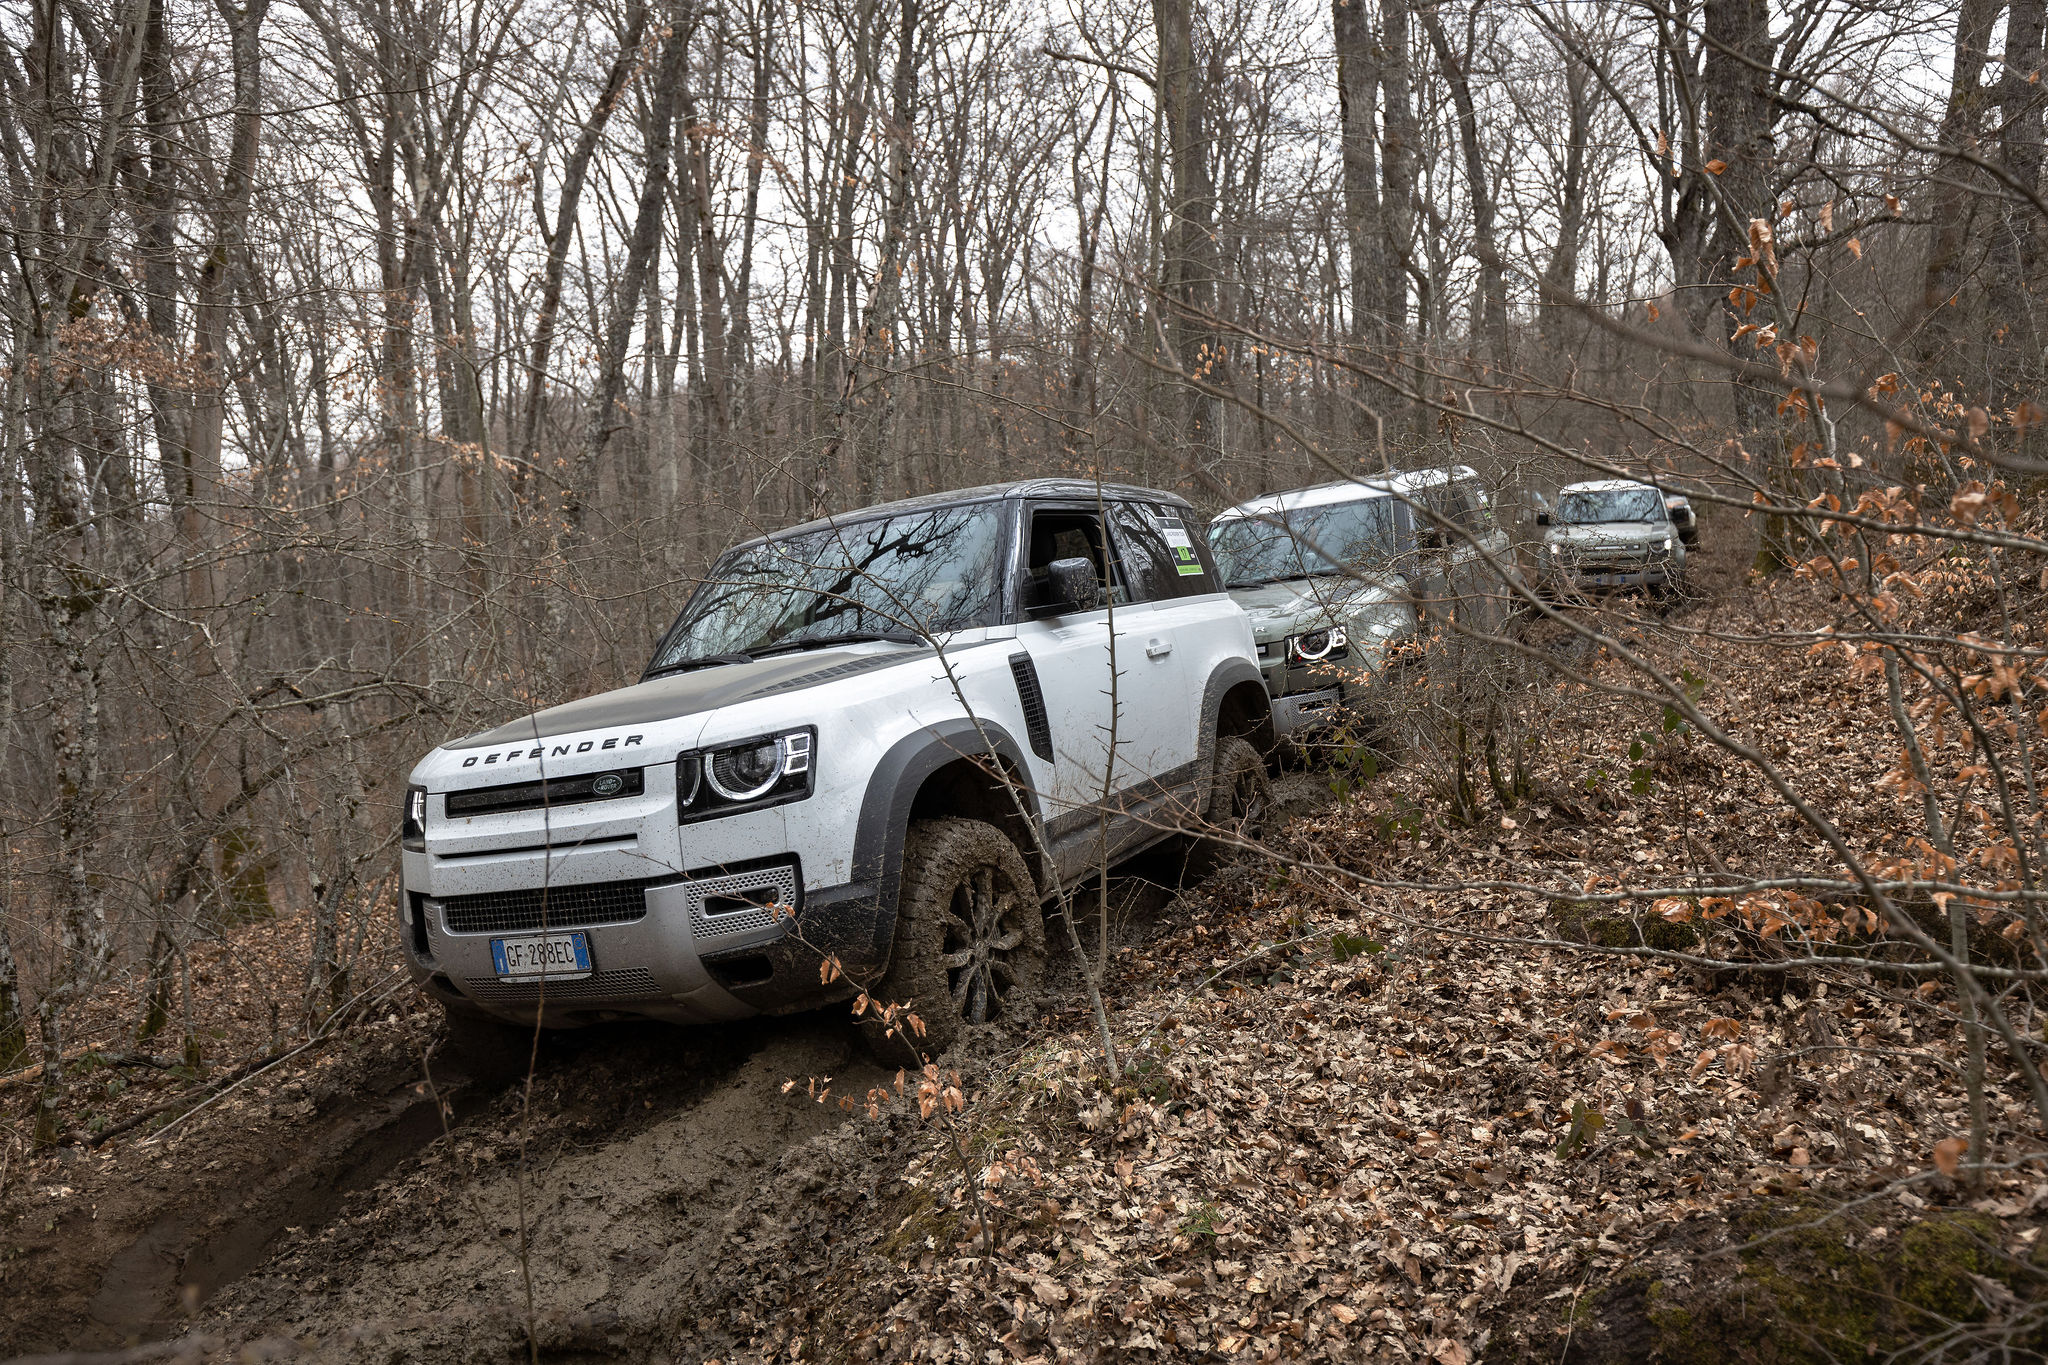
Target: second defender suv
[
  {"x": 1332, "y": 577},
  {"x": 1610, "y": 533},
  {"x": 878, "y": 737}
]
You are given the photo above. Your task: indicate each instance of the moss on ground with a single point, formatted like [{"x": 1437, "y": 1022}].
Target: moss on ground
[
  {"x": 1588, "y": 922},
  {"x": 1817, "y": 1291}
]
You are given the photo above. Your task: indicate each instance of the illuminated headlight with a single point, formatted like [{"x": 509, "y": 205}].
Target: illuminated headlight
[
  {"x": 753, "y": 773},
  {"x": 1556, "y": 549},
  {"x": 412, "y": 825},
  {"x": 1316, "y": 645},
  {"x": 1667, "y": 544}
]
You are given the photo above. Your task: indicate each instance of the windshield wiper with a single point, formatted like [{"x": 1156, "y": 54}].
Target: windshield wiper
[
  {"x": 1281, "y": 577},
  {"x": 851, "y": 637},
  {"x": 686, "y": 665}
]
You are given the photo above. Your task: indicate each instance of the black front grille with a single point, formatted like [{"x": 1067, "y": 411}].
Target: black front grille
[
  {"x": 632, "y": 984},
  {"x": 556, "y": 907},
  {"x": 556, "y": 791}
]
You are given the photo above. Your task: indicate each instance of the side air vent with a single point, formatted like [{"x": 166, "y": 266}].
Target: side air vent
[
  {"x": 742, "y": 901},
  {"x": 1032, "y": 699}
]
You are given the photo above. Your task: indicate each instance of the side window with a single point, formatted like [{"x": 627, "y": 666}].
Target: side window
[
  {"x": 1454, "y": 503},
  {"x": 1194, "y": 569},
  {"x": 1469, "y": 508},
  {"x": 1431, "y": 509},
  {"x": 1145, "y": 553},
  {"x": 1064, "y": 533}
]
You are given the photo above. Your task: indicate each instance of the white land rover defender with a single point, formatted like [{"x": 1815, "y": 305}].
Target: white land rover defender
[
  {"x": 1332, "y": 577},
  {"x": 879, "y": 736}
]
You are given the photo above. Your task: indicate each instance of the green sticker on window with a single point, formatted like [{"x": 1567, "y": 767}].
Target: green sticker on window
[{"x": 1184, "y": 562}]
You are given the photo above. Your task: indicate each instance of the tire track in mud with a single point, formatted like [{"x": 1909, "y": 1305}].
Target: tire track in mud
[
  {"x": 670, "y": 1130},
  {"x": 385, "y": 1241},
  {"x": 182, "y": 1257}
]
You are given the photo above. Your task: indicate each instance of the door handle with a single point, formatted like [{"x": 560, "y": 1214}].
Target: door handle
[{"x": 1158, "y": 649}]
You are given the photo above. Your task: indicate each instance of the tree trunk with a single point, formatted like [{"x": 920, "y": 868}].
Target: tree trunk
[
  {"x": 212, "y": 305},
  {"x": 1187, "y": 282},
  {"x": 1397, "y": 202},
  {"x": 602, "y": 420},
  {"x": 2016, "y": 246},
  {"x": 567, "y": 206},
  {"x": 1738, "y": 118},
  {"x": 1560, "y": 282},
  {"x": 1365, "y": 230},
  {"x": 1491, "y": 304},
  {"x": 864, "y": 406},
  {"x": 1957, "y": 193}
]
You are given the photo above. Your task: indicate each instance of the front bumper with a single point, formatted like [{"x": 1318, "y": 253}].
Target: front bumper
[
  {"x": 696, "y": 949},
  {"x": 1597, "y": 577},
  {"x": 1305, "y": 711}
]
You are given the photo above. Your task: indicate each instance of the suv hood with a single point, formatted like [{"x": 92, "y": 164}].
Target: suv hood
[
  {"x": 1285, "y": 608},
  {"x": 1609, "y": 533},
  {"x": 697, "y": 691}
]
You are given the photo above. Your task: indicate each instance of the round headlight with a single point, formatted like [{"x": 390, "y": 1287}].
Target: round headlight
[
  {"x": 748, "y": 771},
  {"x": 1317, "y": 644}
]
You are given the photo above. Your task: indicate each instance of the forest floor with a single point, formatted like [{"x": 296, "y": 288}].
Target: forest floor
[{"x": 1351, "y": 1120}]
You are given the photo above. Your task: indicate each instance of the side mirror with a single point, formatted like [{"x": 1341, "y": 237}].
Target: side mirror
[
  {"x": 1543, "y": 518},
  {"x": 1070, "y": 585}
]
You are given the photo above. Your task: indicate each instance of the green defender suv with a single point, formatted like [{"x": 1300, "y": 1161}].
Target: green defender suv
[{"x": 1333, "y": 577}]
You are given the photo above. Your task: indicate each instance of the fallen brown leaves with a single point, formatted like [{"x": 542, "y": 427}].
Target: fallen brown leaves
[{"x": 1356, "y": 1143}]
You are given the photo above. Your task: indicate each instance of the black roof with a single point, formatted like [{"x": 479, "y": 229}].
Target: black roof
[{"x": 988, "y": 492}]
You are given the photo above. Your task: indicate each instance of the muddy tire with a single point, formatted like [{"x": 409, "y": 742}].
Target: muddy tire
[
  {"x": 970, "y": 941},
  {"x": 1240, "y": 796},
  {"x": 486, "y": 1049}
]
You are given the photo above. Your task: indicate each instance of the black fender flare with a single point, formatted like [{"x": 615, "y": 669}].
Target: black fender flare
[
  {"x": 1228, "y": 676},
  {"x": 856, "y": 920},
  {"x": 885, "y": 812}
]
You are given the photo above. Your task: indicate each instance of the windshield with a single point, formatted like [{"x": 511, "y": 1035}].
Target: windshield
[
  {"x": 1307, "y": 540},
  {"x": 1610, "y": 504},
  {"x": 909, "y": 575}
]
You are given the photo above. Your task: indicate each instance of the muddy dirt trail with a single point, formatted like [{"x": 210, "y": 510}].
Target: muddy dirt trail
[
  {"x": 371, "y": 1208},
  {"x": 639, "y": 1141},
  {"x": 366, "y": 1207}
]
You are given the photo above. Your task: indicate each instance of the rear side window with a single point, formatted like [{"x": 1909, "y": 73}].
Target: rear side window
[
  {"x": 1190, "y": 570},
  {"x": 1469, "y": 506},
  {"x": 1460, "y": 503},
  {"x": 1144, "y": 552}
]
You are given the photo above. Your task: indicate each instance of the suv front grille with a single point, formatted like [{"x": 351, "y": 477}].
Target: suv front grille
[
  {"x": 556, "y": 791},
  {"x": 633, "y": 984},
  {"x": 555, "y": 907}
]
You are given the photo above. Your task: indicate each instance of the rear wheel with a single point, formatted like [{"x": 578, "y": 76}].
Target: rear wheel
[
  {"x": 1240, "y": 795},
  {"x": 970, "y": 941}
]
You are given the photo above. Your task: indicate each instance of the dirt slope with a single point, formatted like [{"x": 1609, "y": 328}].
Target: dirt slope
[{"x": 633, "y": 1169}]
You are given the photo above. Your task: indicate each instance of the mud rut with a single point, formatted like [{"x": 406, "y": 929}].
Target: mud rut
[{"x": 393, "y": 1230}]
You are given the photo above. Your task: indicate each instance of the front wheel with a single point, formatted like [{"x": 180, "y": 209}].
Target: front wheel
[
  {"x": 970, "y": 941},
  {"x": 1240, "y": 795}
]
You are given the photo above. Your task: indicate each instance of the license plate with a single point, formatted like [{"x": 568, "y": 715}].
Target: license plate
[{"x": 558, "y": 957}]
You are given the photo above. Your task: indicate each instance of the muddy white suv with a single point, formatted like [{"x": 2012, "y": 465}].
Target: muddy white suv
[
  {"x": 1611, "y": 533},
  {"x": 879, "y": 737},
  {"x": 1332, "y": 577}
]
